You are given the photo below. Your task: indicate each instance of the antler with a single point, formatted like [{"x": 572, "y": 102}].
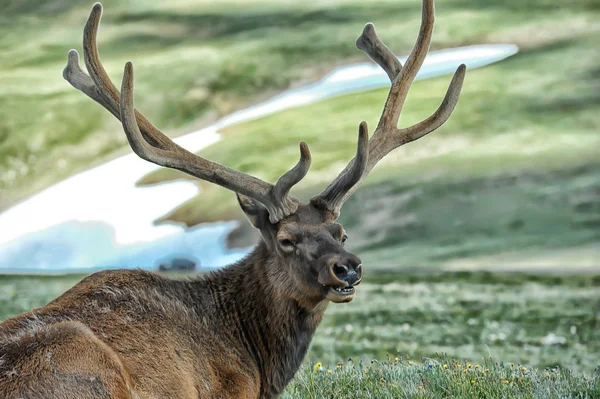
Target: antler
[
  {"x": 387, "y": 135},
  {"x": 151, "y": 144}
]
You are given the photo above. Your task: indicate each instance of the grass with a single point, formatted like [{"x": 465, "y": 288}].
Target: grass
[
  {"x": 198, "y": 60},
  {"x": 436, "y": 223},
  {"x": 401, "y": 377},
  {"x": 540, "y": 322},
  {"x": 19, "y": 294}
]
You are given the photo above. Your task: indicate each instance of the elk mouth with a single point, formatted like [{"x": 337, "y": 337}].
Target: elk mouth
[
  {"x": 343, "y": 290},
  {"x": 339, "y": 294}
]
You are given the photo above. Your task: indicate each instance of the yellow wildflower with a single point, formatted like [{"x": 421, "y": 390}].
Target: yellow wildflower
[
  {"x": 524, "y": 369},
  {"x": 445, "y": 366},
  {"x": 420, "y": 387},
  {"x": 395, "y": 359},
  {"x": 410, "y": 363},
  {"x": 317, "y": 367},
  {"x": 470, "y": 365},
  {"x": 473, "y": 382},
  {"x": 465, "y": 371},
  {"x": 506, "y": 382},
  {"x": 487, "y": 370},
  {"x": 476, "y": 366},
  {"x": 329, "y": 371}
]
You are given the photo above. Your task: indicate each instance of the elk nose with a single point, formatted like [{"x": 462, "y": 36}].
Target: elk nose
[{"x": 349, "y": 271}]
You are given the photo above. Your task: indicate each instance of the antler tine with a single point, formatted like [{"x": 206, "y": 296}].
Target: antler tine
[
  {"x": 82, "y": 82},
  {"x": 294, "y": 175},
  {"x": 128, "y": 118},
  {"x": 387, "y": 136},
  {"x": 151, "y": 144},
  {"x": 441, "y": 115},
  {"x": 402, "y": 82},
  {"x": 378, "y": 51},
  {"x": 105, "y": 86},
  {"x": 332, "y": 198}
]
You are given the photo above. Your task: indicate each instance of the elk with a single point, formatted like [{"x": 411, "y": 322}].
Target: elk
[{"x": 242, "y": 331}]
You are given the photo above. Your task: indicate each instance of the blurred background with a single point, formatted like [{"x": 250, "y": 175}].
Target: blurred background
[{"x": 481, "y": 239}]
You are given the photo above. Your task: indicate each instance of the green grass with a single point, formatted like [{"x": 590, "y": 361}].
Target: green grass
[
  {"x": 401, "y": 377},
  {"x": 510, "y": 318},
  {"x": 19, "y": 294},
  {"x": 439, "y": 222},
  {"x": 197, "y": 60}
]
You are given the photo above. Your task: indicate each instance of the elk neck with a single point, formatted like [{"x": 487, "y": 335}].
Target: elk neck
[{"x": 256, "y": 312}]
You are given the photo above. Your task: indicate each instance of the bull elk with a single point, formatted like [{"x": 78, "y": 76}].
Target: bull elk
[{"x": 240, "y": 332}]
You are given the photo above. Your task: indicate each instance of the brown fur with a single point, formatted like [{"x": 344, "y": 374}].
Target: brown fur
[{"x": 240, "y": 332}]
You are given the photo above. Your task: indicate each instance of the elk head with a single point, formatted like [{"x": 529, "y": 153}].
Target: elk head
[{"x": 306, "y": 245}]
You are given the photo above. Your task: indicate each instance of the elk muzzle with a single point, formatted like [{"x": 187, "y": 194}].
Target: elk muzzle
[{"x": 339, "y": 275}]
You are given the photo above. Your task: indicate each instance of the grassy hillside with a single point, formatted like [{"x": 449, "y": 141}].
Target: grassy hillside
[
  {"x": 515, "y": 168},
  {"x": 197, "y": 60}
]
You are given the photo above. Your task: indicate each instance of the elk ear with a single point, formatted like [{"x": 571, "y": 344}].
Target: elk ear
[{"x": 254, "y": 210}]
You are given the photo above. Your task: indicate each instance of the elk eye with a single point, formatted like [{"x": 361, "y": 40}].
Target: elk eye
[
  {"x": 286, "y": 243},
  {"x": 344, "y": 238}
]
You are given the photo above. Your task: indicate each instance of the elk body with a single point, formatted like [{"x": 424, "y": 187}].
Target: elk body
[{"x": 241, "y": 332}]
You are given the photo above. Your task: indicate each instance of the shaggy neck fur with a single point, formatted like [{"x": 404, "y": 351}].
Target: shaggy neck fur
[{"x": 271, "y": 326}]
